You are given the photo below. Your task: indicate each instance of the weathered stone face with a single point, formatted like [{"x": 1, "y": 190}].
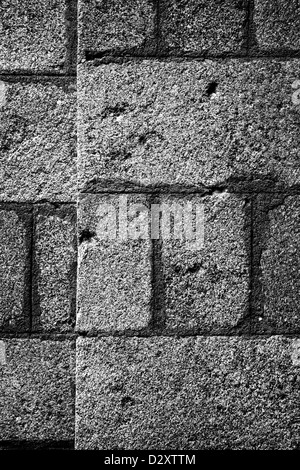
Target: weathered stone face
[
  {"x": 187, "y": 393},
  {"x": 37, "y": 143},
  {"x": 55, "y": 259},
  {"x": 203, "y": 27},
  {"x": 37, "y": 389},
  {"x": 15, "y": 223},
  {"x": 114, "y": 275},
  {"x": 33, "y": 35},
  {"x": 158, "y": 123},
  {"x": 116, "y": 26},
  {"x": 207, "y": 287}
]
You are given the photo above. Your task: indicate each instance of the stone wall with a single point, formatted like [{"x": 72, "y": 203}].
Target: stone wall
[{"x": 134, "y": 341}]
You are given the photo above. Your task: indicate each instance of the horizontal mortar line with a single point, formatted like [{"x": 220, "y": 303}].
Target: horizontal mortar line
[
  {"x": 142, "y": 334},
  {"x": 200, "y": 192},
  {"x": 41, "y": 336},
  {"x": 107, "y": 58},
  {"x": 37, "y": 203},
  {"x": 38, "y": 76},
  {"x": 31, "y": 443}
]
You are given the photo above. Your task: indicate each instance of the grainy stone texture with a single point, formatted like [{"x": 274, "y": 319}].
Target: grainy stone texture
[
  {"x": 280, "y": 265},
  {"x": 37, "y": 389},
  {"x": 15, "y": 238},
  {"x": 114, "y": 275},
  {"x": 203, "y": 27},
  {"x": 207, "y": 287},
  {"x": 32, "y": 35},
  {"x": 37, "y": 143},
  {"x": 55, "y": 258},
  {"x": 116, "y": 25},
  {"x": 155, "y": 122},
  {"x": 277, "y": 24},
  {"x": 188, "y": 393}
]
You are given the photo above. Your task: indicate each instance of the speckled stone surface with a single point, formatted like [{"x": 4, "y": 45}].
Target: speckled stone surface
[
  {"x": 33, "y": 35},
  {"x": 114, "y": 274},
  {"x": 36, "y": 389},
  {"x": 37, "y": 140},
  {"x": 115, "y": 25},
  {"x": 187, "y": 393},
  {"x": 188, "y": 123},
  {"x": 280, "y": 265},
  {"x": 15, "y": 223},
  {"x": 277, "y": 24},
  {"x": 203, "y": 27},
  {"x": 206, "y": 287},
  {"x": 55, "y": 259}
]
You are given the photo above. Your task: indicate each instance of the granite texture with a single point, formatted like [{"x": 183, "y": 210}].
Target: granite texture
[
  {"x": 277, "y": 24},
  {"x": 55, "y": 258},
  {"x": 37, "y": 389},
  {"x": 188, "y": 123},
  {"x": 15, "y": 239},
  {"x": 187, "y": 393},
  {"x": 115, "y": 26},
  {"x": 206, "y": 287},
  {"x": 280, "y": 264},
  {"x": 37, "y": 140},
  {"x": 207, "y": 27},
  {"x": 114, "y": 273},
  {"x": 33, "y": 35}
]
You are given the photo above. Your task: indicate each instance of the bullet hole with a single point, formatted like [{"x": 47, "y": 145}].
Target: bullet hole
[
  {"x": 116, "y": 110},
  {"x": 211, "y": 89},
  {"x": 86, "y": 235},
  {"x": 127, "y": 401}
]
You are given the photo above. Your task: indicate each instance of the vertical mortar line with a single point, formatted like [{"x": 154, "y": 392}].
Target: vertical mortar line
[
  {"x": 31, "y": 270},
  {"x": 71, "y": 15},
  {"x": 249, "y": 26},
  {"x": 157, "y": 322},
  {"x": 157, "y": 26},
  {"x": 251, "y": 270}
]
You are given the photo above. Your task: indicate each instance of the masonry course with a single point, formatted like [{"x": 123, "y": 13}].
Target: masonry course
[
  {"x": 279, "y": 265},
  {"x": 188, "y": 393},
  {"x": 156, "y": 122},
  {"x": 37, "y": 389},
  {"x": 37, "y": 144}
]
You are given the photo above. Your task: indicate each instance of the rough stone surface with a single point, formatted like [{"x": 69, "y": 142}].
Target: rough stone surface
[
  {"x": 153, "y": 122},
  {"x": 203, "y": 27},
  {"x": 280, "y": 265},
  {"x": 55, "y": 257},
  {"x": 37, "y": 389},
  {"x": 277, "y": 24},
  {"x": 32, "y": 35},
  {"x": 14, "y": 267},
  {"x": 116, "y": 25},
  {"x": 188, "y": 393},
  {"x": 207, "y": 287},
  {"x": 114, "y": 275},
  {"x": 37, "y": 143}
]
